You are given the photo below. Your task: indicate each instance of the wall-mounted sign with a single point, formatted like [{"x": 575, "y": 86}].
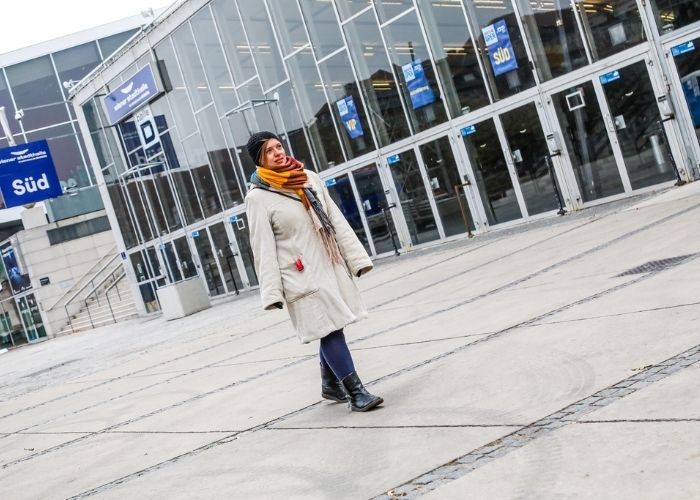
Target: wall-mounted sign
[
  {"x": 28, "y": 174},
  {"x": 44, "y": 281},
  {"x": 331, "y": 182},
  {"x": 393, "y": 159},
  {"x": 130, "y": 95},
  {"x": 500, "y": 48},
  {"x": 195, "y": 234},
  {"x": 417, "y": 83},
  {"x": 233, "y": 219},
  {"x": 349, "y": 117},
  {"x": 609, "y": 77},
  {"x": 146, "y": 128},
  {"x": 468, "y": 130},
  {"x": 683, "y": 48}
]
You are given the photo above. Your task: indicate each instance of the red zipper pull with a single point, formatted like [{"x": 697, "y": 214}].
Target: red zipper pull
[{"x": 299, "y": 264}]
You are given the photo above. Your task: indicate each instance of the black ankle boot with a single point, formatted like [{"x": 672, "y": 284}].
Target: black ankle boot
[
  {"x": 331, "y": 388},
  {"x": 358, "y": 397}
]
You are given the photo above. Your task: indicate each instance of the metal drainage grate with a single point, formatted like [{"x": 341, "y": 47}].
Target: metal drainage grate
[{"x": 657, "y": 265}]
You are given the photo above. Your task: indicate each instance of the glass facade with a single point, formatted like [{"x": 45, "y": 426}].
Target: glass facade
[{"x": 427, "y": 118}]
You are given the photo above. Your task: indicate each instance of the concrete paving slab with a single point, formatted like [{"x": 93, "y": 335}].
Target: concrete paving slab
[
  {"x": 621, "y": 461},
  {"x": 92, "y": 462},
  {"x": 330, "y": 463},
  {"x": 15, "y": 446}
]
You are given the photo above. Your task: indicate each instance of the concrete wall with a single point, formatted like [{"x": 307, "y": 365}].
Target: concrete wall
[{"x": 64, "y": 264}]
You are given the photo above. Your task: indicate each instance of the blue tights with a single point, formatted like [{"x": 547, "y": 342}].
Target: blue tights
[{"x": 334, "y": 353}]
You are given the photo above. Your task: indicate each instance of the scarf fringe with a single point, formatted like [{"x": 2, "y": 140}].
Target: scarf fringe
[{"x": 324, "y": 227}]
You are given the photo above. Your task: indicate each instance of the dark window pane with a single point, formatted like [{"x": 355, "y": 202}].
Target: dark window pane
[
  {"x": 314, "y": 108},
  {"x": 341, "y": 192},
  {"x": 373, "y": 200},
  {"x": 76, "y": 62},
  {"x": 214, "y": 61},
  {"x": 504, "y": 57},
  {"x": 34, "y": 83},
  {"x": 674, "y": 14},
  {"x": 455, "y": 55},
  {"x": 323, "y": 26},
  {"x": 376, "y": 78},
  {"x": 234, "y": 40},
  {"x": 112, "y": 43},
  {"x": 348, "y": 110},
  {"x": 188, "y": 196},
  {"x": 554, "y": 37},
  {"x": 65, "y": 152},
  {"x": 688, "y": 64},
  {"x": 259, "y": 29},
  {"x": 185, "y": 255},
  {"x": 289, "y": 24},
  {"x": 415, "y": 72},
  {"x": 611, "y": 26}
]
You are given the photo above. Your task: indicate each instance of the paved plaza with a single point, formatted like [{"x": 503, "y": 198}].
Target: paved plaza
[{"x": 560, "y": 359}]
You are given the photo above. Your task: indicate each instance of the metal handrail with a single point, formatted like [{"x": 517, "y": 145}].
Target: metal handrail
[
  {"x": 89, "y": 272},
  {"x": 91, "y": 282},
  {"x": 92, "y": 292},
  {"x": 109, "y": 289}
]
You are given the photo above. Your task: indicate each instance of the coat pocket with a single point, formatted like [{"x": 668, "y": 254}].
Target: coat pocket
[{"x": 309, "y": 317}]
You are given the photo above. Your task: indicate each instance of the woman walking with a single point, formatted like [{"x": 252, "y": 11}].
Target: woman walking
[{"x": 305, "y": 256}]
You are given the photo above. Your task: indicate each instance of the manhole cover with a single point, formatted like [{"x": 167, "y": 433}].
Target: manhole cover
[{"x": 657, "y": 265}]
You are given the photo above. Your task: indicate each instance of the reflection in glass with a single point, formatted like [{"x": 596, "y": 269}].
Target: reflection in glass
[
  {"x": 688, "y": 65},
  {"x": 348, "y": 8},
  {"x": 259, "y": 29},
  {"x": 308, "y": 89},
  {"x": 388, "y": 9},
  {"x": 191, "y": 66},
  {"x": 443, "y": 176},
  {"x": 111, "y": 43},
  {"x": 348, "y": 110},
  {"x": 587, "y": 141},
  {"x": 674, "y": 14},
  {"x": 150, "y": 196},
  {"x": 29, "y": 310},
  {"x": 141, "y": 216},
  {"x": 208, "y": 262},
  {"x": 455, "y": 55},
  {"x": 413, "y": 197},
  {"x": 76, "y": 62},
  {"x": 218, "y": 157},
  {"x": 376, "y": 78},
  {"x": 294, "y": 126},
  {"x": 65, "y": 152},
  {"x": 227, "y": 261},
  {"x": 528, "y": 148},
  {"x": 126, "y": 227},
  {"x": 214, "y": 61},
  {"x": 167, "y": 200},
  {"x": 187, "y": 265},
  {"x": 491, "y": 173},
  {"x": 554, "y": 37},
  {"x": 323, "y": 26},
  {"x": 341, "y": 192},
  {"x": 6, "y": 102},
  {"x": 415, "y": 72},
  {"x": 189, "y": 200},
  {"x": 34, "y": 83},
  {"x": 377, "y": 212},
  {"x": 171, "y": 266},
  {"x": 639, "y": 130},
  {"x": 610, "y": 26},
  {"x": 234, "y": 40},
  {"x": 507, "y": 66},
  {"x": 240, "y": 232},
  {"x": 179, "y": 102},
  {"x": 290, "y": 25}
]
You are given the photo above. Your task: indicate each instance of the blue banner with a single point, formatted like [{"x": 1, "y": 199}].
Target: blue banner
[
  {"x": 28, "y": 174},
  {"x": 350, "y": 118},
  {"x": 501, "y": 52},
  {"x": 133, "y": 93},
  {"x": 417, "y": 83}
]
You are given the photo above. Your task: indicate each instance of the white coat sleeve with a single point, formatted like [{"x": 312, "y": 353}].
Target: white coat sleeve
[
  {"x": 351, "y": 249},
  {"x": 262, "y": 241}
]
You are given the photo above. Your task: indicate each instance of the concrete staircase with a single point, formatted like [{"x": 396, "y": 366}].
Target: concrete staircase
[{"x": 111, "y": 305}]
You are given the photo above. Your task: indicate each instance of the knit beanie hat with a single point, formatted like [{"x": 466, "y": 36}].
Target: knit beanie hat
[{"x": 256, "y": 143}]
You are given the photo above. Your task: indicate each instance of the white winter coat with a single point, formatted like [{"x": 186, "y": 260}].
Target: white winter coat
[{"x": 323, "y": 297}]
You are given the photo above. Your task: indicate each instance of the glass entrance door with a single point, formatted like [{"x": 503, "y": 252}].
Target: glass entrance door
[
  {"x": 208, "y": 262},
  {"x": 239, "y": 226},
  {"x": 612, "y": 132},
  {"x": 225, "y": 256},
  {"x": 635, "y": 122}
]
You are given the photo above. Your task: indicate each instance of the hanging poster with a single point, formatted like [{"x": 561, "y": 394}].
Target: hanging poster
[
  {"x": 349, "y": 117},
  {"x": 501, "y": 53},
  {"x": 19, "y": 281},
  {"x": 417, "y": 83}
]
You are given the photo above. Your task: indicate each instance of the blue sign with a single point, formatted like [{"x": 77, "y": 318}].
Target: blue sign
[
  {"x": 331, "y": 182},
  {"x": 683, "y": 48},
  {"x": 233, "y": 219},
  {"x": 469, "y": 130},
  {"x": 609, "y": 77},
  {"x": 350, "y": 118},
  {"x": 417, "y": 83},
  {"x": 130, "y": 95},
  {"x": 28, "y": 174},
  {"x": 501, "y": 52},
  {"x": 391, "y": 160},
  {"x": 195, "y": 234}
]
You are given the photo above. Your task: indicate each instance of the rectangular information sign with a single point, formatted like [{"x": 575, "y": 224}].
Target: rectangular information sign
[{"x": 130, "y": 95}]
